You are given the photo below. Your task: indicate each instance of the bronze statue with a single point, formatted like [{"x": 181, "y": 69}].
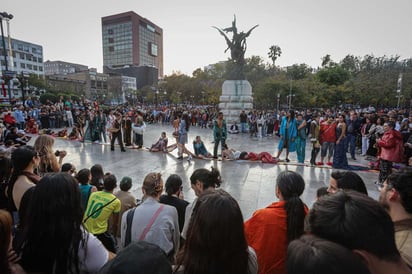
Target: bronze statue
[{"x": 237, "y": 48}]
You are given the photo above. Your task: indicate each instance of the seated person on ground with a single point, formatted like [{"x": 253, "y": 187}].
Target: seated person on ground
[
  {"x": 17, "y": 137},
  {"x": 32, "y": 126},
  {"x": 161, "y": 144},
  {"x": 200, "y": 149},
  {"x": 75, "y": 133},
  {"x": 234, "y": 129}
]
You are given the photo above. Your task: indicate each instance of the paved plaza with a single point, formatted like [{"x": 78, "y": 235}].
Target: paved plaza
[{"x": 252, "y": 184}]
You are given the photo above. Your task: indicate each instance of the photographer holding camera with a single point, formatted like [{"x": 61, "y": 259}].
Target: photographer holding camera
[{"x": 48, "y": 156}]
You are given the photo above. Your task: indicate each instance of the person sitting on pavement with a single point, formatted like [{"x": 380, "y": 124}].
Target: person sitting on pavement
[
  {"x": 234, "y": 129},
  {"x": 200, "y": 149},
  {"x": 161, "y": 144}
]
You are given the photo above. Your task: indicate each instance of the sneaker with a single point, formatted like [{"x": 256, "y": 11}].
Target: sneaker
[
  {"x": 180, "y": 157},
  {"x": 287, "y": 160},
  {"x": 320, "y": 163},
  {"x": 353, "y": 158},
  {"x": 189, "y": 158},
  {"x": 329, "y": 163}
]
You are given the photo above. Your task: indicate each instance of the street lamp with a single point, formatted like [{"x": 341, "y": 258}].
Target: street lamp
[
  {"x": 277, "y": 109},
  {"x": 290, "y": 94},
  {"x": 399, "y": 89},
  {"x": 7, "y": 75}
]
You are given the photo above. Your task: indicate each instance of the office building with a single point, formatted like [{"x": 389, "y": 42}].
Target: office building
[
  {"x": 130, "y": 40},
  {"x": 25, "y": 57},
  {"x": 62, "y": 68}
]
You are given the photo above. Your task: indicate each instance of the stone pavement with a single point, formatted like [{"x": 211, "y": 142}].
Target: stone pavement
[{"x": 252, "y": 184}]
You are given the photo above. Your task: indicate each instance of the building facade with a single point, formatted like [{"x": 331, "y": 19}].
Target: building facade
[
  {"x": 131, "y": 40},
  {"x": 25, "y": 57},
  {"x": 62, "y": 68},
  {"x": 96, "y": 84}
]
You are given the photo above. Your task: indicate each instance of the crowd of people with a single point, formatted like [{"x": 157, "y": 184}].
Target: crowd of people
[
  {"x": 55, "y": 219},
  {"x": 60, "y": 220}
]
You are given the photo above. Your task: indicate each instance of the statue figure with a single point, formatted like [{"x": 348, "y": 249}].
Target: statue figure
[{"x": 237, "y": 48}]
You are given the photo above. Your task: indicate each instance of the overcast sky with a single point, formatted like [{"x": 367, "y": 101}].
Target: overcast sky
[{"x": 305, "y": 30}]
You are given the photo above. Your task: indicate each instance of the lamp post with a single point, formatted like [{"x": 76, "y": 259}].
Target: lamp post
[
  {"x": 277, "y": 108},
  {"x": 157, "y": 98},
  {"x": 290, "y": 94},
  {"x": 399, "y": 89},
  {"x": 6, "y": 74}
]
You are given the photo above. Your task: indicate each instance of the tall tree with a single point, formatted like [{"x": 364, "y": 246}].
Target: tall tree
[{"x": 274, "y": 52}]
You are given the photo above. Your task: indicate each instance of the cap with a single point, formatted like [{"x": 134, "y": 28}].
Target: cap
[{"x": 138, "y": 258}]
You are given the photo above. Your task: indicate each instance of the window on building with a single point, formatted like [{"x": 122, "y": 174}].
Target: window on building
[
  {"x": 40, "y": 68},
  {"x": 29, "y": 66},
  {"x": 22, "y": 65},
  {"x": 33, "y": 50},
  {"x": 111, "y": 48},
  {"x": 35, "y": 67},
  {"x": 110, "y": 31},
  {"x": 40, "y": 60},
  {"x": 111, "y": 40}
]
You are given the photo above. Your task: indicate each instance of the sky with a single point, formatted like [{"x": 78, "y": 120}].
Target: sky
[{"x": 70, "y": 30}]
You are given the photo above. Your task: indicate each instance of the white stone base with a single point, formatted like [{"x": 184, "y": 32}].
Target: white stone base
[{"x": 236, "y": 96}]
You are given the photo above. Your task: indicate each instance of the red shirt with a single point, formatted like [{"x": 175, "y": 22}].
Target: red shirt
[{"x": 327, "y": 132}]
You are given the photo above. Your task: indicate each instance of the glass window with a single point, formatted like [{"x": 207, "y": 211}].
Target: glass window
[{"x": 22, "y": 65}]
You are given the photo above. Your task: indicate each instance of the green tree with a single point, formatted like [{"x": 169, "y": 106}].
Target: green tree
[{"x": 274, "y": 52}]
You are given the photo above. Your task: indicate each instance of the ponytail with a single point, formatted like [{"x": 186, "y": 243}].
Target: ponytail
[{"x": 291, "y": 185}]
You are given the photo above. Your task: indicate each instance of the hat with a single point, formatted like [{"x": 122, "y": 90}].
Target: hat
[{"x": 138, "y": 258}]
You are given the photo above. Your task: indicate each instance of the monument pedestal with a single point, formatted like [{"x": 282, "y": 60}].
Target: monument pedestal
[{"x": 236, "y": 96}]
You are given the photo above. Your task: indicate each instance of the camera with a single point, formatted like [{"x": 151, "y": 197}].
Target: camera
[{"x": 57, "y": 153}]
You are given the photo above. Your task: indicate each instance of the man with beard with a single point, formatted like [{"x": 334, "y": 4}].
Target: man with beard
[{"x": 396, "y": 197}]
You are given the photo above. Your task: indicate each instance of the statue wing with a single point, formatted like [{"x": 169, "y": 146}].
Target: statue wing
[
  {"x": 229, "y": 43},
  {"x": 248, "y": 33}
]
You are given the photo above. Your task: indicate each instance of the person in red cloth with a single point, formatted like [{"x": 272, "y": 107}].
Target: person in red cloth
[
  {"x": 327, "y": 139},
  {"x": 271, "y": 229}
]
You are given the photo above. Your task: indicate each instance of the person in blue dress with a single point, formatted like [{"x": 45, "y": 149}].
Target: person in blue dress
[
  {"x": 200, "y": 148},
  {"x": 288, "y": 133}
]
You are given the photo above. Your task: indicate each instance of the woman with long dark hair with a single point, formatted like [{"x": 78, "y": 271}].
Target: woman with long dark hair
[
  {"x": 55, "y": 240},
  {"x": 271, "y": 229},
  {"x": 339, "y": 158},
  {"x": 216, "y": 240},
  {"x": 201, "y": 180},
  {"x": 24, "y": 160},
  {"x": 97, "y": 176}
]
